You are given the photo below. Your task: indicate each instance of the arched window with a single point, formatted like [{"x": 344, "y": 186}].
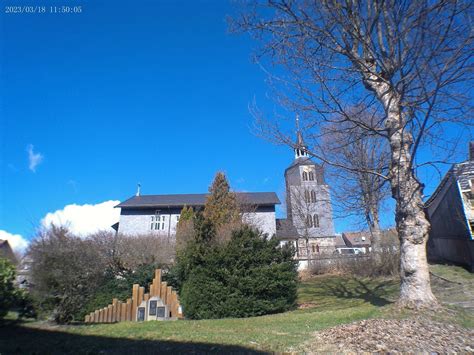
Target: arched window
[
  {"x": 305, "y": 176},
  {"x": 306, "y": 196},
  {"x": 313, "y": 196},
  {"x": 309, "y": 221},
  {"x": 311, "y": 176},
  {"x": 316, "y": 220}
]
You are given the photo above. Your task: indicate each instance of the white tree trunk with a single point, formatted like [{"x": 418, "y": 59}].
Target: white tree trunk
[{"x": 412, "y": 224}]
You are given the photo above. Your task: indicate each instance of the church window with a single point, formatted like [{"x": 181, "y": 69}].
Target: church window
[
  {"x": 309, "y": 221},
  {"x": 313, "y": 247},
  {"x": 305, "y": 176},
  {"x": 316, "y": 220},
  {"x": 306, "y": 196},
  {"x": 157, "y": 222},
  {"x": 313, "y": 196},
  {"x": 311, "y": 176}
]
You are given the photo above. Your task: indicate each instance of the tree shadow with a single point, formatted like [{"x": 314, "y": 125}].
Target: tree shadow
[
  {"x": 18, "y": 339},
  {"x": 355, "y": 288}
]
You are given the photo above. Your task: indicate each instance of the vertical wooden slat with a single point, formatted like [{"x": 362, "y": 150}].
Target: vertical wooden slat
[
  {"x": 96, "y": 316},
  {"x": 109, "y": 313},
  {"x": 141, "y": 292},
  {"x": 146, "y": 297},
  {"x": 114, "y": 310},
  {"x": 134, "y": 301},
  {"x": 106, "y": 314},
  {"x": 118, "y": 307},
  {"x": 128, "y": 312},
  {"x": 158, "y": 276},
  {"x": 163, "y": 292},
  {"x": 123, "y": 312},
  {"x": 86, "y": 319},
  {"x": 169, "y": 289}
]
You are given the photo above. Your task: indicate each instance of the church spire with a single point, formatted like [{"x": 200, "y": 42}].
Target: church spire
[{"x": 300, "y": 147}]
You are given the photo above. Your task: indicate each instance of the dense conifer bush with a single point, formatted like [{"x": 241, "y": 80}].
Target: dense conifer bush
[{"x": 250, "y": 275}]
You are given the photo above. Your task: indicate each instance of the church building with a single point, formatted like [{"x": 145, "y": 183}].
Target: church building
[{"x": 309, "y": 224}]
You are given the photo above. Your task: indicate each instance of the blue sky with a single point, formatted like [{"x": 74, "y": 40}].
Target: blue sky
[{"x": 155, "y": 92}]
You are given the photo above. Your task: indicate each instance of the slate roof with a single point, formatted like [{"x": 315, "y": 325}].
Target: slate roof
[
  {"x": 285, "y": 229},
  {"x": 340, "y": 243},
  {"x": 356, "y": 239},
  {"x": 179, "y": 200},
  {"x": 463, "y": 172}
]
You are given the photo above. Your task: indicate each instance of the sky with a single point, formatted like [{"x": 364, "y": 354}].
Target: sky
[{"x": 150, "y": 92}]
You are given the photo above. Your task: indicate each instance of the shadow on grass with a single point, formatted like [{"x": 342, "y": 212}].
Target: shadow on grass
[
  {"x": 17, "y": 339},
  {"x": 356, "y": 288}
]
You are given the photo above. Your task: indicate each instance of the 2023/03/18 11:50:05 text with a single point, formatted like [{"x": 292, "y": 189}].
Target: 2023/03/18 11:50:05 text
[{"x": 43, "y": 9}]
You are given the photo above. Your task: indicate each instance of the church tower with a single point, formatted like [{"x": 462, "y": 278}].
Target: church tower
[{"x": 308, "y": 198}]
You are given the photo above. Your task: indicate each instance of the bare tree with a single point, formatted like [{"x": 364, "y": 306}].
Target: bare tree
[
  {"x": 408, "y": 61},
  {"x": 359, "y": 193}
]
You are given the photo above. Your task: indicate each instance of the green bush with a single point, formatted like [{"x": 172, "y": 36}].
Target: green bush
[
  {"x": 248, "y": 276},
  {"x": 11, "y": 297}
]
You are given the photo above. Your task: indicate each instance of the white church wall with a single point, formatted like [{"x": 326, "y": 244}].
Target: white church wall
[
  {"x": 264, "y": 221},
  {"x": 145, "y": 222}
]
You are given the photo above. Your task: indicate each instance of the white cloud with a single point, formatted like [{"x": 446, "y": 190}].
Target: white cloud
[
  {"x": 34, "y": 159},
  {"x": 84, "y": 219},
  {"x": 16, "y": 241}
]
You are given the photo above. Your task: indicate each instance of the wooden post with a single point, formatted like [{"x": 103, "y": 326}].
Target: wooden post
[
  {"x": 158, "y": 276},
  {"x": 141, "y": 292},
  {"x": 123, "y": 311},
  {"x": 163, "y": 292},
  {"x": 109, "y": 313},
  {"x": 118, "y": 311},
  {"x": 114, "y": 310},
  {"x": 169, "y": 289},
  {"x": 96, "y": 316},
  {"x": 86, "y": 320},
  {"x": 128, "y": 312},
  {"x": 134, "y": 302},
  {"x": 146, "y": 297}
]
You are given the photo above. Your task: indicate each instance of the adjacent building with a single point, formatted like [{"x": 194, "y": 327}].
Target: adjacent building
[
  {"x": 159, "y": 214},
  {"x": 451, "y": 213}
]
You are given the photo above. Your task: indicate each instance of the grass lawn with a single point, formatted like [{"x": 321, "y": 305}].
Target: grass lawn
[{"x": 325, "y": 301}]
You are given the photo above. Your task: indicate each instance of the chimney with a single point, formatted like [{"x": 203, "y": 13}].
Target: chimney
[
  {"x": 138, "y": 189},
  {"x": 471, "y": 151}
]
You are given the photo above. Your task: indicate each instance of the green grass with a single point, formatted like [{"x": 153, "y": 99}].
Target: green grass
[{"x": 327, "y": 301}]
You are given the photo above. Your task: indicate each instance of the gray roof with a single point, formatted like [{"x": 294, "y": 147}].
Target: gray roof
[
  {"x": 285, "y": 229},
  {"x": 179, "y": 200},
  {"x": 464, "y": 172}
]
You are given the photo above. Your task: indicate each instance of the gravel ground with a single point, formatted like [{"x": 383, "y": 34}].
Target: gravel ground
[{"x": 394, "y": 336}]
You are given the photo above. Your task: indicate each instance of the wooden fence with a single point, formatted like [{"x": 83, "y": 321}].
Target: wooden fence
[{"x": 127, "y": 311}]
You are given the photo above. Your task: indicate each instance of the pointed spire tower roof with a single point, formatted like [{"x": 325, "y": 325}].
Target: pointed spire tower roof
[{"x": 301, "y": 151}]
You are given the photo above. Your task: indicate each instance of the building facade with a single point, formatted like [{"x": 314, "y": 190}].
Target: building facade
[
  {"x": 451, "y": 213},
  {"x": 159, "y": 214}
]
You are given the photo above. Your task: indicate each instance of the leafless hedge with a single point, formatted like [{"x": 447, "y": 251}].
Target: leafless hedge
[{"x": 365, "y": 265}]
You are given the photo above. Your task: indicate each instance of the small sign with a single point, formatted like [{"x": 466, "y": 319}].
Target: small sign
[
  {"x": 141, "y": 314},
  {"x": 153, "y": 308},
  {"x": 161, "y": 312}
]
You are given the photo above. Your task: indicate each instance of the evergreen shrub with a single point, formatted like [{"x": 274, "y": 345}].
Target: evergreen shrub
[{"x": 250, "y": 275}]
